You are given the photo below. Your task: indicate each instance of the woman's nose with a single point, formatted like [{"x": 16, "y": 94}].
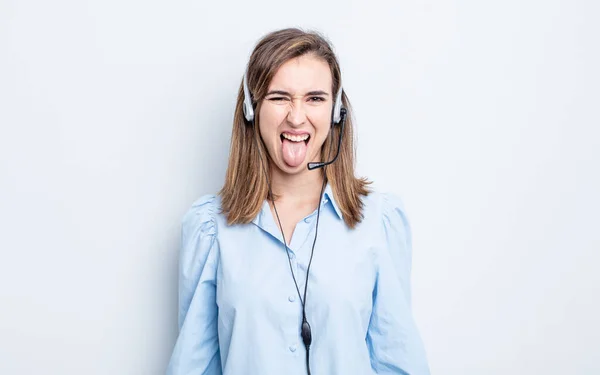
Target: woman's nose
[{"x": 297, "y": 113}]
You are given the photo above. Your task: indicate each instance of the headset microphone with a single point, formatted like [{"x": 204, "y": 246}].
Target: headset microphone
[{"x": 315, "y": 165}]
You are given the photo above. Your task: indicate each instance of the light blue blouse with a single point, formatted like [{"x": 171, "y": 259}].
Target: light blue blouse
[{"x": 239, "y": 311}]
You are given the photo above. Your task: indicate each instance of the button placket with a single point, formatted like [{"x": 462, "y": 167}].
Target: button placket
[{"x": 295, "y": 268}]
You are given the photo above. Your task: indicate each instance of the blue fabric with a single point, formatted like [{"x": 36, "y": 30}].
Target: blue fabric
[{"x": 240, "y": 314}]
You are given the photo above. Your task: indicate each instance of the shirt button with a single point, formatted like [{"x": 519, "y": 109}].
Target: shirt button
[
  {"x": 292, "y": 348},
  {"x": 307, "y": 220},
  {"x": 292, "y": 298}
]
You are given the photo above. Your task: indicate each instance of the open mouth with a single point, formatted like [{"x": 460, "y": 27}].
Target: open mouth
[{"x": 295, "y": 138}]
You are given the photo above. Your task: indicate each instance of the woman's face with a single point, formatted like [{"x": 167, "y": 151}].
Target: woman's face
[{"x": 295, "y": 115}]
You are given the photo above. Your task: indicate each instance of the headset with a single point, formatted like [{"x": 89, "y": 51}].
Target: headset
[{"x": 338, "y": 118}]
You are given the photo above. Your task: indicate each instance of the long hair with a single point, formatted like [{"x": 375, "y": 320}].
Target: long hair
[{"x": 245, "y": 187}]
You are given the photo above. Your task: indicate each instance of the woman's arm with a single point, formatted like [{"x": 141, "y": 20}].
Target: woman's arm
[
  {"x": 197, "y": 348},
  {"x": 394, "y": 341}
]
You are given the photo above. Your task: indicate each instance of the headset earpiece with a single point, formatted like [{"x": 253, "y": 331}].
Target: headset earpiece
[
  {"x": 337, "y": 107},
  {"x": 247, "y": 106}
]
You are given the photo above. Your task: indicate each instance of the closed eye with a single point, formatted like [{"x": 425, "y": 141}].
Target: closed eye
[{"x": 277, "y": 98}]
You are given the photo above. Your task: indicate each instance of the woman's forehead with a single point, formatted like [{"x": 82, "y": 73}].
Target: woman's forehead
[{"x": 302, "y": 74}]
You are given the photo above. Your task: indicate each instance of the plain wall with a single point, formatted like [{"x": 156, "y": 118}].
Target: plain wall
[{"x": 483, "y": 116}]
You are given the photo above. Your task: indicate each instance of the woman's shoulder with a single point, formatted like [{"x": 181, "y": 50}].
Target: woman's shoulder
[
  {"x": 384, "y": 212},
  {"x": 383, "y": 204},
  {"x": 203, "y": 214}
]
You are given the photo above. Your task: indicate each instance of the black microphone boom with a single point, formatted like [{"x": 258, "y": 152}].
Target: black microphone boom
[{"x": 315, "y": 165}]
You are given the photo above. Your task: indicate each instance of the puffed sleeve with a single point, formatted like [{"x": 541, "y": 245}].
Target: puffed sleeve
[
  {"x": 394, "y": 341},
  {"x": 197, "y": 347}
]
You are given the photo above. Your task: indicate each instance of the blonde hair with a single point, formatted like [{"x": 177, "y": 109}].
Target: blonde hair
[{"x": 245, "y": 187}]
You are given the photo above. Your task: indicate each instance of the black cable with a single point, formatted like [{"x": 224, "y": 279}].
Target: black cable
[{"x": 306, "y": 332}]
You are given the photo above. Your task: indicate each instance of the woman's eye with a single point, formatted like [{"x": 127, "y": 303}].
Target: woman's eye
[
  {"x": 277, "y": 98},
  {"x": 317, "y": 99}
]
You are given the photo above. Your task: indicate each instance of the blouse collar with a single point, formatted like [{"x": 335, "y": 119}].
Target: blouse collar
[{"x": 327, "y": 198}]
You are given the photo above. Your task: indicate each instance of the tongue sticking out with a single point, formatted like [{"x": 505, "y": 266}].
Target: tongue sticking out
[{"x": 293, "y": 152}]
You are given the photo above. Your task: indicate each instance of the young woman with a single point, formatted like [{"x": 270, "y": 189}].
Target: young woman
[{"x": 293, "y": 269}]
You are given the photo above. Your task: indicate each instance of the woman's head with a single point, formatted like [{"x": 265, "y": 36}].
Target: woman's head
[
  {"x": 295, "y": 114},
  {"x": 292, "y": 77}
]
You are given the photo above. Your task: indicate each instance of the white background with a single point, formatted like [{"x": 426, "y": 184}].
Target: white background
[{"x": 482, "y": 115}]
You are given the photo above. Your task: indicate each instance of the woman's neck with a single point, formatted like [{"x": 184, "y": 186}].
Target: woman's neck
[{"x": 301, "y": 188}]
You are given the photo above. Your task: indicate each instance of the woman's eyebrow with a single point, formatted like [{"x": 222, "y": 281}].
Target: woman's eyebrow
[
  {"x": 317, "y": 92},
  {"x": 279, "y": 92},
  {"x": 285, "y": 93}
]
